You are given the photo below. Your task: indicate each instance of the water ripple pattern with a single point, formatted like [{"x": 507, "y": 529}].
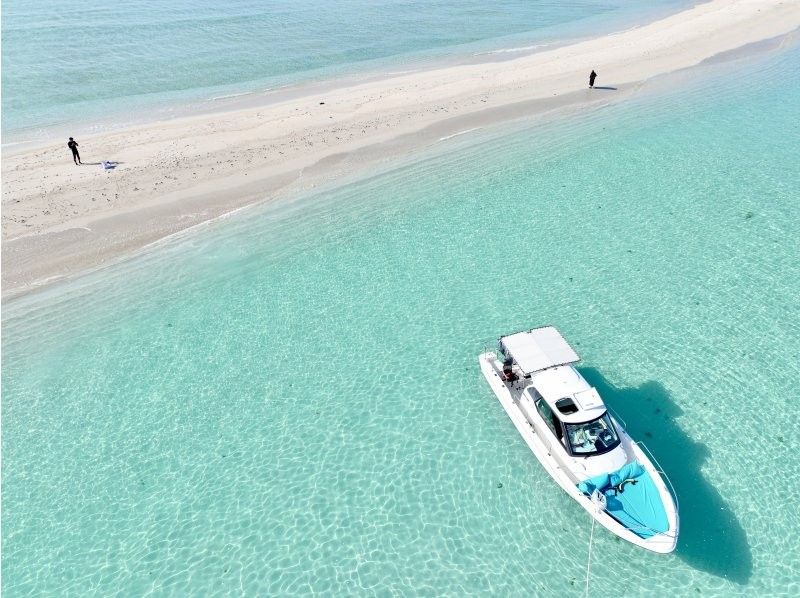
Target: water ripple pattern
[{"x": 288, "y": 402}]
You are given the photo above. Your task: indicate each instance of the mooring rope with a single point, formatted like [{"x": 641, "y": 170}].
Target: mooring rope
[{"x": 589, "y": 561}]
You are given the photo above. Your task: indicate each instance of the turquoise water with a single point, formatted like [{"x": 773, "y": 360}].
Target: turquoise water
[
  {"x": 66, "y": 61},
  {"x": 289, "y": 401}
]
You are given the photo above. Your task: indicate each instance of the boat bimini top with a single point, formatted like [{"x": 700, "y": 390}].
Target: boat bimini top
[{"x": 538, "y": 349}]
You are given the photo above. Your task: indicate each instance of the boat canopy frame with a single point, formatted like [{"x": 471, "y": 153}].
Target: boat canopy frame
[{"x": 538, "y": 349}]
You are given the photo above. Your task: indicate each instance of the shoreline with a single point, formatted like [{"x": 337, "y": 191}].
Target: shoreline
[
  {"x": 59, "y": 220},
  {"x": 262, "y": 92}
]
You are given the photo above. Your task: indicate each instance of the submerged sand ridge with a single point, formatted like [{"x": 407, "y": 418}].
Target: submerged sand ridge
[{"x": 60, "y": 219}]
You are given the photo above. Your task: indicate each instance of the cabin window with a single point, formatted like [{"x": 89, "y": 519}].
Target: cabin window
[
  {"x": 566, "y": 406},
  {"x": 549, "y": 417},
  {"x": 592, "y": 438}
]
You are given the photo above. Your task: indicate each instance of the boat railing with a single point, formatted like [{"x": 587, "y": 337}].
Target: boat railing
[
  {"x": 617, "y": 417},
  {"x": 637, "y": 528},
  {"x": 660, "y": 470},
  {"x": 644, "y": 528}
]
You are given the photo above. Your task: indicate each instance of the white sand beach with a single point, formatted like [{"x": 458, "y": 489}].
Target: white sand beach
[{"x": 59, "y": 219}]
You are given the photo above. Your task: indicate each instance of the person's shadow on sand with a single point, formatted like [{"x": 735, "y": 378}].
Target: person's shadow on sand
[
  {"x": 608, "y": 88},
  {"x": 711, "y": 538}
]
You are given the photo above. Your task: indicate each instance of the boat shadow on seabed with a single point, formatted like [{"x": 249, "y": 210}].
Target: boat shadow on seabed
[{"x": 711, "y": 538}]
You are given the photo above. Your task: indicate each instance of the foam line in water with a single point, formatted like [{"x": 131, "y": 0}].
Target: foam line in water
[
  {"x": 464, "y": 132},
  {"x": 511, "y": 50},
  {"x": 233, "y": 95}
]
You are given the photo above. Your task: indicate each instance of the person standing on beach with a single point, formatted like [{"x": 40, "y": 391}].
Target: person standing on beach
[
  {"x": 73, "y": 145},
  {"x": 592, "y": 77}
]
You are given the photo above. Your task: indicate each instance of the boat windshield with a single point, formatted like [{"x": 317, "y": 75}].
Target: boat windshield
[{"x": 592, "y": 438}]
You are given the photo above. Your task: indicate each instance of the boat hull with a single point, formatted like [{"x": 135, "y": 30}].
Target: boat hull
[{"x": 660, "y": 543}]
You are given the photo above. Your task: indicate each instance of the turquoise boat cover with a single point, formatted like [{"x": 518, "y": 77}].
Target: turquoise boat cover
[{"x": 637, "y": 506}]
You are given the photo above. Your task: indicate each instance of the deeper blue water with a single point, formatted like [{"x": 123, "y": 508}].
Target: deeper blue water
[
  {"x": 65, "y": 61},
  {"x": 288, "y": 402}
]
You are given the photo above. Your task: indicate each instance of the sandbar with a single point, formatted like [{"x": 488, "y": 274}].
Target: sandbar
[{"x": 59, "y": 219}]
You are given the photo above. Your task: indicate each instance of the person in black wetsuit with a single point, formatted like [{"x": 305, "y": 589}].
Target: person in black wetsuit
[
  {"x": 592, "y": 77},
  {"x": 73, "y": 145}
]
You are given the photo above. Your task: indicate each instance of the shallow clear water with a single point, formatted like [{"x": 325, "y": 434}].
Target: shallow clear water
[
  {"x": 66, "y": 61},
  {"x": 289, "y": 401}
]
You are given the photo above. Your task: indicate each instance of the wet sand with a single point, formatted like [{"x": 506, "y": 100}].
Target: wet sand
[{"x": 60, "y": 219}]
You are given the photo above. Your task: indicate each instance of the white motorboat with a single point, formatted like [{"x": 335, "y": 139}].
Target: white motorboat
[{"x": 583, "y": 446}]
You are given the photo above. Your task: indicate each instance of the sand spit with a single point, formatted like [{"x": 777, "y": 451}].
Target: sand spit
[{"x": 59, "y": 219}]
